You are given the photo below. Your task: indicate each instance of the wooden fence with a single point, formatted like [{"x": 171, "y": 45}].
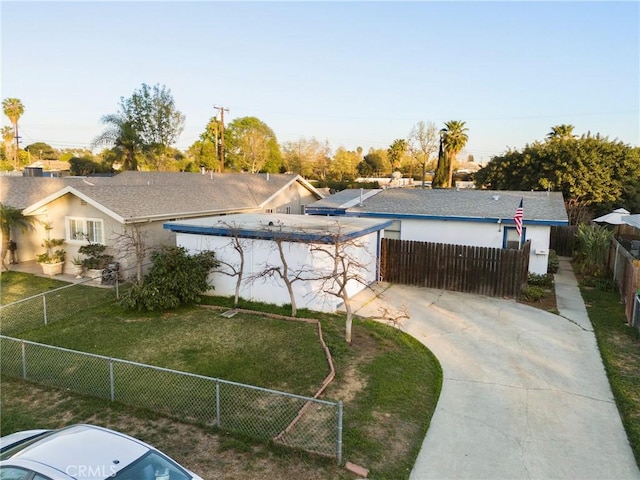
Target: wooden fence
[
  {"x": 495, "y": 272},
  {"x": 626, "y": 273},
  {"x": 562, "y": 240}
]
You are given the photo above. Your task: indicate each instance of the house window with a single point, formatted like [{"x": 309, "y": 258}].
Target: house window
[
  {"x": 287, "y": 210},
  {"x": 268, "y": 210},
  {"x": 393, "y": 231},
  {"x": 303, "y": 209},
  {"x": 510, "y": 238},
  {"x": 83, "y": 229}
]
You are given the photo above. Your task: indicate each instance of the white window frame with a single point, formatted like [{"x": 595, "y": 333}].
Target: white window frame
[{"x": 73, "y": 238}]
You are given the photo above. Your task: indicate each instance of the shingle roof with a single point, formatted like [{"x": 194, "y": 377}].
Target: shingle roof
[
  {"x": 464, "y": 203},
  {"x": 131, "y": 195}
]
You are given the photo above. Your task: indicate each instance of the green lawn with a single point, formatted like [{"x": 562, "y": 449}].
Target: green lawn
[
  {"x": 389, "y": 382},
  {"x": 619, "y": 347}
]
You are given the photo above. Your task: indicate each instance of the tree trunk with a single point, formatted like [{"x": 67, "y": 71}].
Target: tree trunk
[{"x": 347, "y": 306}]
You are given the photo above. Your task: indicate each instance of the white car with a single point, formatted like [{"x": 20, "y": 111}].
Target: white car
[{"x": 84, "y": 452}]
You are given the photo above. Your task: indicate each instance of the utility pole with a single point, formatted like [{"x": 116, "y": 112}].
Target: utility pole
[{"x": 221, "y": 162}]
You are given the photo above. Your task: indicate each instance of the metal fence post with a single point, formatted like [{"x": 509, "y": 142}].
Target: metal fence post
[
  {"x": 112, "y": 385},
  {"x": 339, "y": 442},
  {"x": 44, "y": 308},
  {"x": 217, "y": 403},
  {"x": 24, "y": 362}
]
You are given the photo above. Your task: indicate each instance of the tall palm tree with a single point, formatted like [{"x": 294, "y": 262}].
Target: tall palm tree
[
  {"x": 121, "y": 135},
  {"x": 454, "y": 140},
  {"x": 563, "y": 131},
  {"x": 14, "y": 109},
  {"x": 10, "y": 218}
]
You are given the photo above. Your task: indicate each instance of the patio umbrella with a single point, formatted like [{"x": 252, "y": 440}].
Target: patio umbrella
[{"x": 613, "y": 218}]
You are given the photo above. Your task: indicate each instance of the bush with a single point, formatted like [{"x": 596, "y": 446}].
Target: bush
[
  {"x": 537, "y": 280},
  {"x": 593, "y": 244},
  {"x": 532, "y": 293},
  {"x": 600, "y": 283},
  {"x": 553, "y": 263},
  {"x": 175, "y": 279}
]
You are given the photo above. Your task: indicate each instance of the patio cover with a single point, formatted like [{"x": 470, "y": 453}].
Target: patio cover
[{"x": 613, "y": 218}]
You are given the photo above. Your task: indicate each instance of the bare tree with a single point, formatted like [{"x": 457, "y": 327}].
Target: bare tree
[
  {"x": 133, "y": 242},
  {"x": 233, "y": 269},
  {"x": 283, "y": 270},
  {"x": 347, "y": 266},
  {"x": 423, "y": 143}
]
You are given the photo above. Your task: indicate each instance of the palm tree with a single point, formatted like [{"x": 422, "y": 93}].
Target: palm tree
[
  {"x": 563, "y": 131},
  {"x": 120, "y": 134},
  {"x": 10, "y": 218},
  {"x": 454, "y": 140},
  {"x": 14, "y": 109}
]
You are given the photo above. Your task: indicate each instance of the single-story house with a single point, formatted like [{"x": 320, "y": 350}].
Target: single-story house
[
  {"x": 481, "y": 218},
  {"x": 102, "y": 209},
  {"x": 305, "y": 241}
]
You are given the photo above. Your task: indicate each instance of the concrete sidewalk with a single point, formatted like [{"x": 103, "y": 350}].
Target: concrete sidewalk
[{"x": 524, "y": 392}]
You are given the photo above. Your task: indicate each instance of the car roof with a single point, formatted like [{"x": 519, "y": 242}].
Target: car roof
[
  {"x": 8, "y": 441},
  {"x": 103, "y": 451}
]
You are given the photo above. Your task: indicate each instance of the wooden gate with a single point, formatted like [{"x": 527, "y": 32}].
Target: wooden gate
[
  {"x": 562, "y": 240},
  {"x": 496, "y": 272}
]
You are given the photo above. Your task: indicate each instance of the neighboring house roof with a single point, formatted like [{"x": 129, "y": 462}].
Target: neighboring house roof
[
  {"x": 292, "y": 228},
  {"x": 135, "y": 196},
  {"x": 51, "y": 165},
  {"x": 545, "y": 208},
  {"x": 339, "y": 202}
]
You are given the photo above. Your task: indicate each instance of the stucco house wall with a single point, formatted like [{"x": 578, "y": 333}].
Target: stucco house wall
[
  {"x": 260, "y": 252},
  {"x": 291, "y": 200}
]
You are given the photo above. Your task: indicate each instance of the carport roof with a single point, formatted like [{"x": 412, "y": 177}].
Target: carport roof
[{"x": 268, "y": 226}]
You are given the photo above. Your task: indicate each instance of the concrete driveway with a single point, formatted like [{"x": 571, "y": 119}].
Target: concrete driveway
[{"x": 524, "y": 395}]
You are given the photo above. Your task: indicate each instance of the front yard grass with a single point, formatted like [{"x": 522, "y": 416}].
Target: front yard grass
[
  {"x": 389, "y": 383},
  {"x": 619, "y": 347}
]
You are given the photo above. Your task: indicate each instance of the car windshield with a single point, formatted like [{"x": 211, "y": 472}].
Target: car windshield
[{"x": 153, "y": 466}]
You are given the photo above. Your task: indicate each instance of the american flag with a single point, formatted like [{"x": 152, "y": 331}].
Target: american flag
[{"x": 517, "y": 218}]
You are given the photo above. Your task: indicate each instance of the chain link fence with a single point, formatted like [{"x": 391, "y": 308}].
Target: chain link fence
[
  {"x": 301, "y": 422},
  {"x": 57, "y": 304}
]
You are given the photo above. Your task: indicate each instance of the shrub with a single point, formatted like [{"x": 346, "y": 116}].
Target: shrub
[
  {"x": 554, "y": 262},
  {"x": 532, "y": 293},
  {"x": 176, "y": 278},
  {"x": 600, "y": 283},
  {"x": 96, "y": 258},
  {"x": 538, "y": 280},
  {"x": 593, "y": 244}
]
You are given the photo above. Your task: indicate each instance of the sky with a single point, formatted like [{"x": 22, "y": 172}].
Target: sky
[{"x": 353, "y": 74}]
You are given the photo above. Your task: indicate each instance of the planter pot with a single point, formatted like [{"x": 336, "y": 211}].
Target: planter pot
[
  {"x": 96, "y": 275},
  {"x": 77, "y": 269},
  {"x": 52, "y": 269}
]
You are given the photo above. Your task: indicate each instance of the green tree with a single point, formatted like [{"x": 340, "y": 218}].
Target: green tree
[
  {"x": 252, "y": 146},
  {"x": 7, "y": 139},
  {"x": 307, "y": 157},
  {"x": 453, "y": 141},
  {"x": 86, "y": 166},
  {"x": 593, "y": 173},
  {"x": 441, "y": 175},
  {"x": 14, "y": 109},
  {"x": 343, "y": 166},
  {"x": 41, "y": 151},
  {"x": 10, "y": 219},
  {"x": 373, "y": 164}
]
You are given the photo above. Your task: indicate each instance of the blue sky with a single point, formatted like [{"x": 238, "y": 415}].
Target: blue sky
[{"x": 351, "y": 73}]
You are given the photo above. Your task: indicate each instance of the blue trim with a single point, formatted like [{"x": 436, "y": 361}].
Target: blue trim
[
  {"x": 262, "y": 234},
  {"x": 413, "y": 216}
]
